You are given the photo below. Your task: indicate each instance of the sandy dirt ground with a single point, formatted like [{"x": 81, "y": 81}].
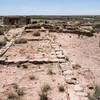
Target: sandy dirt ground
[
  {"x": 30, "y": 36},
  {"x": 34, "y": 49},
  {"x": 11, "y": 74},
  {"x": 31, "y": 50},
  {"x": 84, "y": 51}
]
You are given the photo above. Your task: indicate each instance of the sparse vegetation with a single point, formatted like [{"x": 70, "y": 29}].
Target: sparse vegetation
[
  {"x": 50, "y": 72},
  {"x": 70, "y": 36},
  {"x": 61, "y": 88},
  {"x": 32, "y": 77},
  {"x": 25, "y": 66},
  {"x": 66, "y": 58},
  {"x": 18, "y": 65},
  {"x": 11, "y": 96},
  {"x": 44, "y": 61},
  {"x": 2, "y": 43},
  {"x": 45, "y": 88},
  {"x": 36, "y": 33},
  {"x": 6, "y": 39},
  {"x": 20, "y": 92},
  {"x": 96, "y": 95},
  {"x": 92, "y": 32},
  {"x": 1, "y": 32},
  {"x": 20, "y": 41},
  {"x": 15, "y": 86},
  {"x": 43, "y": 96},
  {"x": 79, "y": 36},
  {"x": 76, "y": 66}
]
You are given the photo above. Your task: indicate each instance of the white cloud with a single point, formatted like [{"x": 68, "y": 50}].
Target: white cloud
[{"x": 94, "y": 11}]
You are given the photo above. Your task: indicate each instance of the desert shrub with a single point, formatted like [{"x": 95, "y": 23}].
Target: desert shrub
[
  {"x": 34, "y": 22},
  {"x": 45, "y": 88},
  {"x": 76, "y": 66},
  {"x": 50, "y": 72},
  {"x": 1, "y": 32},
  {"x": 2, "y": 43},
  {"x": 20, "y": 41},
  {"x": 15, "y": 86},
  {"x": 20, "y": 92},
  {"x": 97, "y": 26},
  {"x": 36, "y": 33},
  {"x": 32, "y": 77},
  {"x": 25, "y": 66},
  {"x": 18, "y": 65},
  {"x": 92, "y": 32},
  {"x": 96, "y": 95},
  {"x": 61, "y": 88},
  {"x": 66, "y": 58},
  {"x": 17, "y": 26},
  {"x": 11, "y": 96},
  {"x": 70, "y": 36},
  {"x": 43, "y": 96},
  {"x": 6, "y": 39}
]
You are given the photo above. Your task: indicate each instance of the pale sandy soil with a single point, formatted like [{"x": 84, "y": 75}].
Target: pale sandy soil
[
  {"x": 30, "y": 36},
  {"x": 31, "y": 50},
  {"x": 84, "y": 51},
  {"x": 11, "y": 74}
]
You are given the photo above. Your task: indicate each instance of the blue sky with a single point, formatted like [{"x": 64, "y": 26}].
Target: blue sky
[{"x": 49, "y": 7}]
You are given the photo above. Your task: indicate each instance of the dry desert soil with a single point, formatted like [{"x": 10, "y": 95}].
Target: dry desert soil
[{"x": 83, "y": 51}]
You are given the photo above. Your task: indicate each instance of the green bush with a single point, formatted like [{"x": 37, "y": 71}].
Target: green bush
[
  {"x": 21, "y": 41},
  {"x": 96, "y": 95},
  {"x": 20, "y": 92},
  {"x": 50, "y": 72},
  {"x": 36, "y": 34},
  {"x": 1, "y": 32},
  {"x": 6, "y": 39},
  {"x": 92, "y": 32},
  {"x": 11, "y": 96},
  {"x": 18, "y": 65},
  {"x": 76, "y": 66},
  {"x": 67, "y": 59},
  {"x": 97, "y": 26},
  {"x": 15, "y": 86},
  {"x": 25, "y": 66},
  {"x": 2, "y": 43},
  {"x": 43, "y": 96},
  {"x": 32, "y": 77},
  {"x": 45, "y": 88},
  {"x": 61, "y": 88}
]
